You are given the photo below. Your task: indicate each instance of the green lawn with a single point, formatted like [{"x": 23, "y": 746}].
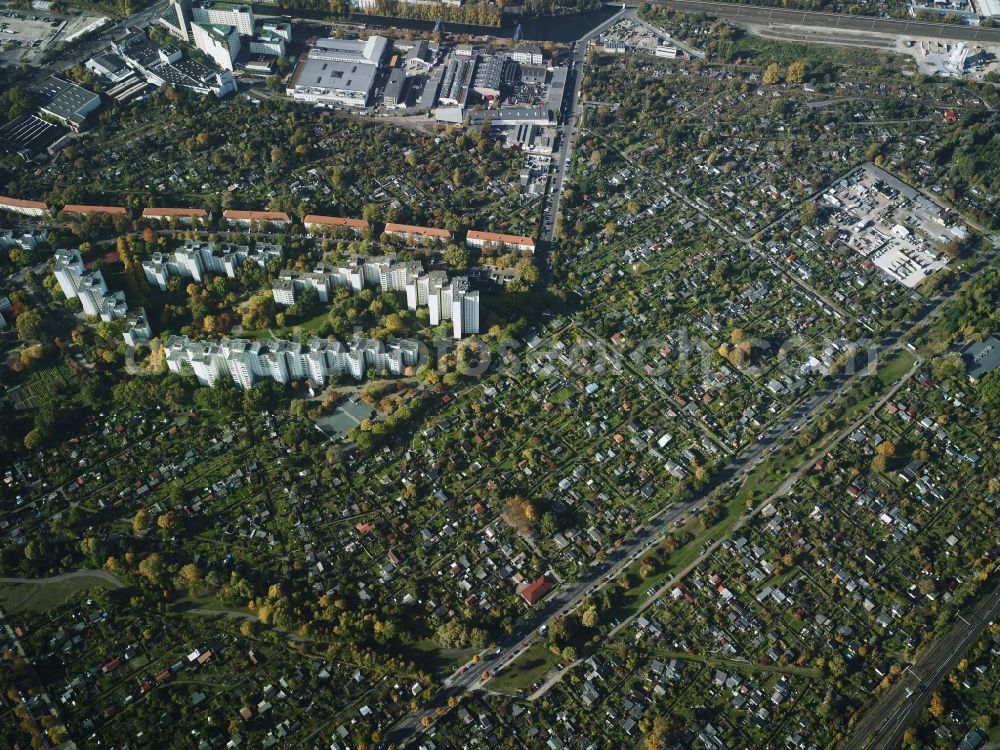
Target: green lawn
[
  {"x": 311, "y": 325},
  {"x": 529, "y": 667},
  {"x": 429, "y": 655},
  {"x": 561, "y": 396},
  {"x": 17, "y": 597},
  {"x": 893, "y": 369}
]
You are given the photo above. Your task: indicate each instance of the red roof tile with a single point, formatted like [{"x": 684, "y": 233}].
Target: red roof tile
[{"x": 535, "y": 590}]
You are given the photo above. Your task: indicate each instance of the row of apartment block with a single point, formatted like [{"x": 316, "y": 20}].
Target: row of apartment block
[
  {"x": 248, "y": 362},
  {"x": 446, "y": 299},
  {"x": 312, "y": 222},
  {"x": 76, "y": 282},
  {"x": 196, "y": 259}
]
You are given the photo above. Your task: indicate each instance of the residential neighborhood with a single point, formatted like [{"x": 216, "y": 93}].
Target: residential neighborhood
[{"x": 530, "y": 377}]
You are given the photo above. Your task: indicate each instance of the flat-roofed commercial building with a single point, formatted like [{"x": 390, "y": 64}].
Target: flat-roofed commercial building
[{"x": 339, "y": 72}]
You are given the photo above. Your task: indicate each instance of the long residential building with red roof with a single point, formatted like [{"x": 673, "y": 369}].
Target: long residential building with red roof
[
  {"x": 312, "y": 222},
  {"x": 476, "y": 238},
  {"x": 76, "y": 208},
  {"x": 409, "y": 232},
  {"x": 184, "y": 215},
  {"x": 28, "y": 208},
  {"x": 245, "y": 218}
]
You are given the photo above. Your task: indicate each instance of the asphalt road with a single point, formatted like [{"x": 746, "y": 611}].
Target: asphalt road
[
  {"x": 883, "y": 724},
  {"x": 569, "y": 116},
  {"x": 748, "y": 14}
]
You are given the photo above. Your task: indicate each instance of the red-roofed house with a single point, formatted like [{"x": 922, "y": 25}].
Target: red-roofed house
[
  {"x": 314, "y": 222},
  {"x": 536, "y": 590},
  {"x": 475, "y": 238}
]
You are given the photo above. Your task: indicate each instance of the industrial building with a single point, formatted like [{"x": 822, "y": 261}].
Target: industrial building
[
  {"x": 339, "y": 72},
  {"x": 66, "y": 102}
]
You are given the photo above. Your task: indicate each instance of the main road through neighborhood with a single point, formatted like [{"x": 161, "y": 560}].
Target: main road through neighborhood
[{"x": 568, "y": 117}]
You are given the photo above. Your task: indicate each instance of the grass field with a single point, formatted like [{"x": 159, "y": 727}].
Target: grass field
[
  {"x": 893, "y": 369},
  {"x": 529, "y": 667},
  {"x": 307, "y": 327},
  {"x": 18, "y": 597}
]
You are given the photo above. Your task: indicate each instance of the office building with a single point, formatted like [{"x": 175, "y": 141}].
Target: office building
[
  {"x": 178, "y": 19},
  {"x": 526, "y": 54}
]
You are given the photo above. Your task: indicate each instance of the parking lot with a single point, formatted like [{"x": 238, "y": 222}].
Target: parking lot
[{"x": 24, "y": 37}]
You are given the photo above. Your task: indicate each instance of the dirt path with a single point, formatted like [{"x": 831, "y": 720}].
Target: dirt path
[{"x": 104, "y": 575}]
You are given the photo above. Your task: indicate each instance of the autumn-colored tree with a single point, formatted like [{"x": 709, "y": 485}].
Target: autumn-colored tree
[
  {"x": 796, "y": 72},
  {"x": 169, "y": 521},
  {"x": 886, "y": 448},
  {"x": 189, "y": 576},
  {"x": 140, "y": 521},
  {"x": 936, "y": 707},
  {"x": 153, "y": 568},
  {"x": 520, "y": 514},
  {"x": 772, "y": 74}
]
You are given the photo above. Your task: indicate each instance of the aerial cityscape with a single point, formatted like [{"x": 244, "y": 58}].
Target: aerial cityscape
[{"x": 459, "y": 374}]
